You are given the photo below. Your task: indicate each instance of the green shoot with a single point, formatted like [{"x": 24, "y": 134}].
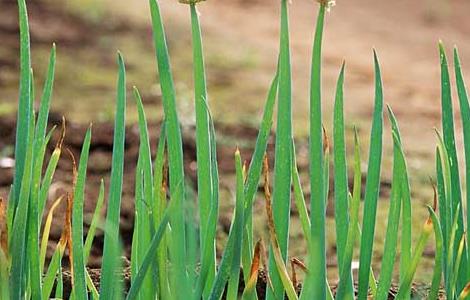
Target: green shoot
[
  {"x": 282, "y": 163},
  {"x": 114, "y": 202},
  {"x": 372, "y": 186}
]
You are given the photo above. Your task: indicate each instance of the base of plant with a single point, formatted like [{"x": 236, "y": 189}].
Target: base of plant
[{"x": 418, "y": 290}]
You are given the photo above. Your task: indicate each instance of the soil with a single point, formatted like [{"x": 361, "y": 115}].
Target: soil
[{"x": 418, "y": 291}]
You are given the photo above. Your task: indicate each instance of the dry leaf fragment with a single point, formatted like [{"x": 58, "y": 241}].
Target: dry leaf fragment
[{"x": 3, "y": 228}]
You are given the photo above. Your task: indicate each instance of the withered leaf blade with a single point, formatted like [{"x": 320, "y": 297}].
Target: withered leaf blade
[
  {"x": 296, "y": 263},
  {"x": 276, "y": 250},
  {"x": 3, "y": 228},
  {"x": 67, "y": 233},
  {"x": 254, "y": 270}
]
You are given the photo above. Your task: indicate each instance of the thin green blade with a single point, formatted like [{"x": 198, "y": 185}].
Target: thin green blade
[
  {"x": 282, "y": 164},
  {"x": 465, "y": 116},
  {"x": 315, "y": 287},
  {"x": 79, "y": 283},
  {"x": 372, "y": 186},
  {"x": 175, "y": 152},
  {"x": 114, "y": 202},
  {"x": 449, "y": 141}
]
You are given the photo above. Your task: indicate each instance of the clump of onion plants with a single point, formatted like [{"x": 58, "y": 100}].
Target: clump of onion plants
[{"x": 173, "y": 255}]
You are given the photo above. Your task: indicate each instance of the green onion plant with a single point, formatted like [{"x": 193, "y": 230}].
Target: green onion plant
[{"x": 173, "y": 250}]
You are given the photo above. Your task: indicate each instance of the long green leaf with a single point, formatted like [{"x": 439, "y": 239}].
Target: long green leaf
[
  {"x": 24, "y": 105},
  {"x": 138, "y": 203},
  {"x": 454, "y": 257},
  {"x": 256, "y": 163},
  {"x": 405, "y": 284},
  {"x": 47, "y": 179},
  {"x": 341, "y": 175},
  {"x": 203, "y": 151},
  {"x": 225, "y": 265},
  {"x": 282, "y": 163},
  {"x": 33, "y": 220},
  {"x": 449, "y": 141},
  {"x": 340, "y": 168},
  {"x": 254, "y": 173},
  {"x": 143, "y": 207},
  {"x": 315, "y": 287},
  {"x": 343, "y": 291},
  {"x": 114, "y": 202},
  {"x": 372, "y": 186},
  {"x": 43, "y": 114},
  {"x": 446, "y": 210},
  {"x": 54, "y": 267},
  {"x": 405, "y": 194},
  {"x": 18, "y": 243},
  {"x": 159, "y": 206},
  {"x": 299, "y": 198},
  {"x": 391, "y": 237},
  {"x": 443, "y": 207},
  {"x": 279, "y": 262},
  {"x": 437, "y": 272},
  {"x": 232, "y": 291},
  {"x": 40, "y": 143},
  {"x": 150, "y": 255},
  {"x": 465, "y": 116},
  {"x": 175, "y": 151},
  {"x": 212, "y": 224},
  {"x": 79, "y": 283}
]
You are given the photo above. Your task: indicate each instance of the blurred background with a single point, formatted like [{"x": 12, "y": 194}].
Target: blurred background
[{"x": 241, "y": 46}]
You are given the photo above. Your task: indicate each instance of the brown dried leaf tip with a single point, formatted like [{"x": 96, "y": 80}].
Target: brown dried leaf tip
[
  {"x": 255, "y": 265},
  {"x": 67, "y": 233},
  {"x": 267, "y": 194},
  {"x": 296, "y": 263},
  {"x": 428, "y": 227},
  {"x": 326, "y": 141},
  {"x": 60, "y": 142},
  {"x": 74, "y": 169},
  {"x": 244, "y": 169},
  {"x": 3, "y": 228},
  {"x": 434, "y": 204},
  {"x": 269, "y": 206},
  {"x": 465, "y": 292}
]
